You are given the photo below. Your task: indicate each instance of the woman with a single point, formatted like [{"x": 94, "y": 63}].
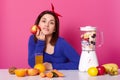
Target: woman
[{"x": 58, "y": 54}]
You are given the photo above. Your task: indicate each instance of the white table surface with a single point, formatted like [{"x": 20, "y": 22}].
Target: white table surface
[{"x": 69, "y": 75}]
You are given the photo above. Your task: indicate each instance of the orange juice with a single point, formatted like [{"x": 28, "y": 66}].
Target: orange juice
[{"x": 38, "y": 58}]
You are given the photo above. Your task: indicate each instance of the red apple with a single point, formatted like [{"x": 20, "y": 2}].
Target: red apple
[
  {"x": 101, "y": 70},
  {"x": 34, "y": 29}
]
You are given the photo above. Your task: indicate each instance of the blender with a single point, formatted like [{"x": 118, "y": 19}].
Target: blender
[{"x": 88, "y": 43}]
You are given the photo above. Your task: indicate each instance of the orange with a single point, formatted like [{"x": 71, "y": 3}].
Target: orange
[
  {"x": 92, "y": 71},
  {"x": 40, "y": 67},
  {"x": 20, "y": 72}
]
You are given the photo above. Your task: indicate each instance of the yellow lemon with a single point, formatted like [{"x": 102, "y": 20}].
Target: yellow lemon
[
  {"x": 40, "y": 67},
  {"x": 92, "y": 71}
]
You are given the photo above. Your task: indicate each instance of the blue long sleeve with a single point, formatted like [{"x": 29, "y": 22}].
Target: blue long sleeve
[{"x": 34, "y": 48}]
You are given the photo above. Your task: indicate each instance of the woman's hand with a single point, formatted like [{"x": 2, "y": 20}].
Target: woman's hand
[
  {"x": 40, "y": 35},
  {"x": 48, "y": 66}
]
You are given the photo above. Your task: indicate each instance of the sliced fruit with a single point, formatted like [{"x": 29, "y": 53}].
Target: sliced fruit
[
  {"x": 49, "y": 74},
  {"x": 42, "y": 75},
  {"x": 54, "y": 74},
  {"x": 58, "y": 73},
  {"x": 32, "y": 72}
]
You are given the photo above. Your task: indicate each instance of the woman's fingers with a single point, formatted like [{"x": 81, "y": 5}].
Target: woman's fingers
[
  {"x": 38, "y": 32},
  {"x": 40, "y": 35}
]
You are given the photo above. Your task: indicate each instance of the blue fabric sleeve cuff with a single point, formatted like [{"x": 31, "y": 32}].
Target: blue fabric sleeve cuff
[{"x": 40, "y": 46}]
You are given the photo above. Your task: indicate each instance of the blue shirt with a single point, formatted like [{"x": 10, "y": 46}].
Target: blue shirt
[{"x": 64, "y": 56}]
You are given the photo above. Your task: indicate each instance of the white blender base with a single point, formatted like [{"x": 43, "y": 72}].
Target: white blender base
[{"x": 88, "y": 59}]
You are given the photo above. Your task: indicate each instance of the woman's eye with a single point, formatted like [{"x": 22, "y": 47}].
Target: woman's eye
[
  {"x": 43, "y": 21},
  {"x": 52, "y": 23}
]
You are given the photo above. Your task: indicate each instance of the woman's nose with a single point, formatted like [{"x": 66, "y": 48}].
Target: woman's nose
[{"x": 47, "y": 24}]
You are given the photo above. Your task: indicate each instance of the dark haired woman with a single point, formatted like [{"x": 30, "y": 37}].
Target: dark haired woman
[{"x": 57, "y": 53}]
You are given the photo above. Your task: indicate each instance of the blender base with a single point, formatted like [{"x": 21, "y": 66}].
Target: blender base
[{"x": 88, "y": 59}]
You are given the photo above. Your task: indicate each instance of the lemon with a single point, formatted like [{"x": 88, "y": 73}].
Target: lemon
[
  {"x": 92, "y": 71},
  {"x": 40, "y": 67}
]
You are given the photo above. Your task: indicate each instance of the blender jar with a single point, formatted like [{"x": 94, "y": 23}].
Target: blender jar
[{"x": 88, "y": 38}]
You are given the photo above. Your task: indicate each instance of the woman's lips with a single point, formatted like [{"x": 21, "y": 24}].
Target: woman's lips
[{"x": 46, "y": 29}]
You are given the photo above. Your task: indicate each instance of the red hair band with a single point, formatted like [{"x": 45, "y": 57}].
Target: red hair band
[{"x": 54, "y": 11}]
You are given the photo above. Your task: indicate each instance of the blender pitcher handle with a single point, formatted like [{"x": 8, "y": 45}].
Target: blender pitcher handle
[{"x": 101, "y": 39}]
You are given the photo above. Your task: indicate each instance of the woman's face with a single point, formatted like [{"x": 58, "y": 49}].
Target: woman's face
[{"x": 47, "y": 24}]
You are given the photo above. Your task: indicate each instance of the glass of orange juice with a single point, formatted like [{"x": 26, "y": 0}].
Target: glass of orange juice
[{"x": 38, "y": 58}]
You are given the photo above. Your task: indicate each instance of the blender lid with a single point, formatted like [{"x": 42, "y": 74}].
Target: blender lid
[{"x": 88, "y": 28}]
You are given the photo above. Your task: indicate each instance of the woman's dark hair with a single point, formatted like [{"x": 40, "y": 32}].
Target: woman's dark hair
[{"x": 56, "y": 33}]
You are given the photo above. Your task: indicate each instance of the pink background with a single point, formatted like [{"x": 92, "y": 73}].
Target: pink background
[{"x": 17, "y": 16}]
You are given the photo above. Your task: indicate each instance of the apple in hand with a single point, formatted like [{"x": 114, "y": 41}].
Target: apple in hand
[
  {"x": 34, "y": 29},
  {"x": 101, "y": 70}
]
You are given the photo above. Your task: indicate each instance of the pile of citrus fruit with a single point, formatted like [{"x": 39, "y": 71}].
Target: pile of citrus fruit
[
  {"x": 39, "y": 69},
  {"x": 21, "y": 72}
]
